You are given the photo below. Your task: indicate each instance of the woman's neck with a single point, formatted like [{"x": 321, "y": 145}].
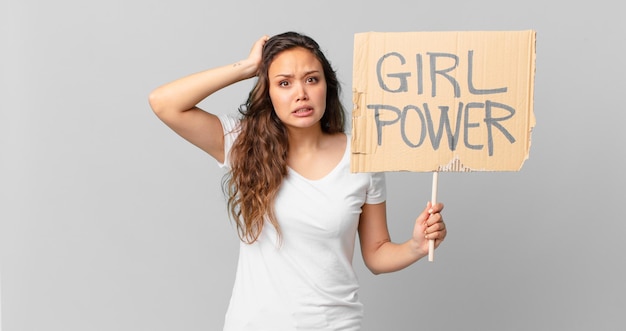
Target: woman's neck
[{"x": 306, "y": 140}]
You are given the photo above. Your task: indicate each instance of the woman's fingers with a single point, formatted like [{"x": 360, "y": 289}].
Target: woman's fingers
[{"x": 435, "y": 227}]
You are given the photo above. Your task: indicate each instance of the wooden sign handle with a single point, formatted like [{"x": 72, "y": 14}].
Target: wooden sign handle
[{"x": 433, "y": 201}]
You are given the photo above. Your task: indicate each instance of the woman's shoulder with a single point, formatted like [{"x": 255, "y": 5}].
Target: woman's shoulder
[{"x": 230, "y": 123}]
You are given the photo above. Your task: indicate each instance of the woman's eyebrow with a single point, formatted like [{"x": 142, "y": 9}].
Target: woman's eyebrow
[{"x": 314, "y": 71}]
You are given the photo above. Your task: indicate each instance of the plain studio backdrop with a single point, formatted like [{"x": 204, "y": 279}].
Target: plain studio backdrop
[{"x": 110, "y": 221}]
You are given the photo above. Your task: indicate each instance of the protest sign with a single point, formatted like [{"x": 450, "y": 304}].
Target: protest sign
[{"x": 442, "y": 101}]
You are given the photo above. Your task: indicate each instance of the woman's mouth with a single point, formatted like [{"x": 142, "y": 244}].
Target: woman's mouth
[{"x": 303, "y": 111}]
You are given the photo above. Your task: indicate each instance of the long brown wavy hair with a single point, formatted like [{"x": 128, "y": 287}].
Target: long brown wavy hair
[{"x": 258, "y": 157}]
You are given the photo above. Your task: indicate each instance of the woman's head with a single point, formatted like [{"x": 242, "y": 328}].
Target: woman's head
[{"x": 259, "y": 102}]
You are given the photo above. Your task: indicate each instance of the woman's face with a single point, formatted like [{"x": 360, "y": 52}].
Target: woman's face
[{"x": 297, "y": 88}]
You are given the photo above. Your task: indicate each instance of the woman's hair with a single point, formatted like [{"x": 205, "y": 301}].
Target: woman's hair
[{"x": 258, "y": 157}]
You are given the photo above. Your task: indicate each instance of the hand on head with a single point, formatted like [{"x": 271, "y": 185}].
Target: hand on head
[{"x": 256, "y": 53}]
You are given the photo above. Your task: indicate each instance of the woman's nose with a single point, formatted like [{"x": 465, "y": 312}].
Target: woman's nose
[{"x": 301, "y": 93}]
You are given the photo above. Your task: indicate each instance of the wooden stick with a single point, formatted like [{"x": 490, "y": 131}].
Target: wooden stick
[{"x": 433, "y": 201}]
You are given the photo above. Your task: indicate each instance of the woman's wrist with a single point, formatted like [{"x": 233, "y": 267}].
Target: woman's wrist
[
  {"x": 416, "y": 248},
  {"x": 247, "y": 68}
]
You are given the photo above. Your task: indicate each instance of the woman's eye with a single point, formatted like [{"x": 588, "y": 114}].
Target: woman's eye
[
  {"x": 311, "y": 80},
  {"x": 283, "y": 83}
]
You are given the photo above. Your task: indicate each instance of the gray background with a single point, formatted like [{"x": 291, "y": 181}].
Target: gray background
[{"x": 112, "y": 222}]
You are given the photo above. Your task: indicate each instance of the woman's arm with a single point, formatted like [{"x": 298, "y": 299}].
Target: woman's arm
[
  {"x": 380, "y": 254},
  {"x": 175, "y": 103}
]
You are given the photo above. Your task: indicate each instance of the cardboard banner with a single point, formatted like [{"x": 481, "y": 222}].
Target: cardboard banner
[{"x": 442, "y": 101}]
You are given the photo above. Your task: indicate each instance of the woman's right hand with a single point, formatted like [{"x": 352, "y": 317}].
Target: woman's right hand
[{"x": 256, "y": 55}]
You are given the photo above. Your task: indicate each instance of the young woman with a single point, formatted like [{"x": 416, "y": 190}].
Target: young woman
[{"x": 290, "y": 192}]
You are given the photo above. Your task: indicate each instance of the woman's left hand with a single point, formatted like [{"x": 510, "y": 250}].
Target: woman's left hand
[{"x": 429, "y": 225}]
